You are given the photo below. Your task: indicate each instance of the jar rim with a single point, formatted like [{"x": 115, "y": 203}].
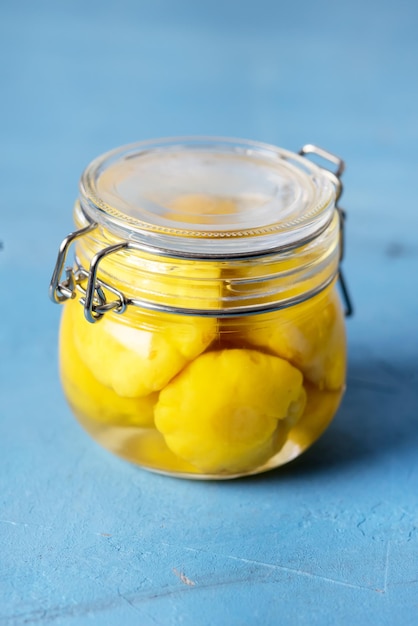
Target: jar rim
[{"x": 209, "y": 195}]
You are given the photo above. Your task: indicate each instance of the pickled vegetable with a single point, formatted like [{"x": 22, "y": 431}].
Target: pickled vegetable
[
  {"x": 198, "y": 396},
  {"x": 309, "y": 335},
  {"x": 135, "y": 360},
  {"x": 230, "y": 411},
  {"x": 320, "y": 408},
  {"x": 89, "y": 398},
  {"x": 149, "y": 448}
]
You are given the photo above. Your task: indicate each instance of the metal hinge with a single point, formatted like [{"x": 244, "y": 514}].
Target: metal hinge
[{"x": 66, "y": 282}]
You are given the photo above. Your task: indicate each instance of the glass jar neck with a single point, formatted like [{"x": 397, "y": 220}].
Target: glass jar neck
[{"x": 148, "y": 277}]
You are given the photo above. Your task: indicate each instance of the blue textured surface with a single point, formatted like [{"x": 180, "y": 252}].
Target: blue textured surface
[{"x": 332, "y": 538}]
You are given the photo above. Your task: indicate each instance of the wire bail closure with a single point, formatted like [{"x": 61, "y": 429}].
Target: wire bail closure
[
  {"x": 67, "y": 281},
  {"x": 60, "y": 291},
  {"x": 335, "y": 177}
]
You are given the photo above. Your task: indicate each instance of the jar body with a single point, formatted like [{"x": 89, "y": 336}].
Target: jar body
[
  {"x": 206, "y": 397},
  {"x": 202, "y": 333}
]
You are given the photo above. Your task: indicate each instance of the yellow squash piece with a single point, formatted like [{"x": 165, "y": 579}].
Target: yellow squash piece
[
  {"x": 149, "y": 449},
  {"x": 92, "y": 401},
  {"x": 140, "y": 355},
  {"x": 310, "y": 335},
  {"x": 226, "y": 412},
  {"x": 321, "y": 407},
  {"x": 135, "y": 359}
]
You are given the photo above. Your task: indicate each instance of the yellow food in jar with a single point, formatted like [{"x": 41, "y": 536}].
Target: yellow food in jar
[
  {"x": 136, "y": 360},
  {"x": 309, "y": 335},
  {"x": 274, "y": 377},
  {"x": 321, "y": 407},
  {"x": 230, "y": 410},
  {"x": 92, "y": 401},
  {"x": 149, "y": 448}
]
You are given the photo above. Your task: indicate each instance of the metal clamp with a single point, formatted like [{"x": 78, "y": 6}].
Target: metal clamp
[
  {"x": 335, "y": 177},
  {"x": 94, "y": 301},
  {"x": 93, "y": 296},
  {"x": 61, "y": 290}
]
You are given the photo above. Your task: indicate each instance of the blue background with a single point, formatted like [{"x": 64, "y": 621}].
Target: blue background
[{"x": 331, "y": 539}]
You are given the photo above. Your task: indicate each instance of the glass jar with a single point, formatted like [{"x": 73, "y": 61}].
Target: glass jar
[{"x": 202, "y": 334}]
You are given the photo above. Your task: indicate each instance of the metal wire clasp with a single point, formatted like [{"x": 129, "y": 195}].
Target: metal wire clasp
[
  {"x": 93, "y": 296},
  {"x": 62, "y": 290},
  {"x": 335, "y": 177},
  {"x": 93, "y": 309}
]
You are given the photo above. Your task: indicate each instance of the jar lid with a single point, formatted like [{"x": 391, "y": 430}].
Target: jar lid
[{"x": 208, "y": 196}]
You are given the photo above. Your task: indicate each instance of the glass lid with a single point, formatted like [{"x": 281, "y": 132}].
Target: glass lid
[{"x": 207, "y": 195}]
